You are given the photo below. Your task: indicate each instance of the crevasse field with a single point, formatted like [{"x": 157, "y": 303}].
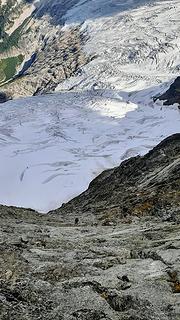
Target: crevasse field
[{"x": 52, "y": 146}]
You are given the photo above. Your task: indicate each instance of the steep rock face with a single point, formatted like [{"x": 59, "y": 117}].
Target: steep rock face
[
  {"x": 58, "y": 53},
  {"x": 55, "y": 269},
  {"x": 147, "y": 185},
  {"x": 55, "y": 61},
  {"x": 172, "y": 95}
]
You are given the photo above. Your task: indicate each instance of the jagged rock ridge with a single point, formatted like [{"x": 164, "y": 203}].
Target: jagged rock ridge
[{"x": 147, "y": 185}]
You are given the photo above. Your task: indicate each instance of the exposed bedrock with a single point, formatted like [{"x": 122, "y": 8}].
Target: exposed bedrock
[{"x": 140, "y": 186}]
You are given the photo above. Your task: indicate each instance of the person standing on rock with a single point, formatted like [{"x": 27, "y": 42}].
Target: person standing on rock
[{"x": 76, "y": 221}]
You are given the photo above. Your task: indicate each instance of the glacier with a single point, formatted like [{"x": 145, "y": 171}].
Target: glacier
[{"x": 51, "y": 147}]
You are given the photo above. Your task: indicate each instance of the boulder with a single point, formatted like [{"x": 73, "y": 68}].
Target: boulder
[{"x": 4, "y": 97}]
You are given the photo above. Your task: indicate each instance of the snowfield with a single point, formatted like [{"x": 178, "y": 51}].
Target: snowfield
[{"x": 52, "y": 146}]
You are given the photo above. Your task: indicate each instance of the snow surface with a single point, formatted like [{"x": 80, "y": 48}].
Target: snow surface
[
  {"x": 52, "y": 146},
  {"x": 136, "y": 43}
]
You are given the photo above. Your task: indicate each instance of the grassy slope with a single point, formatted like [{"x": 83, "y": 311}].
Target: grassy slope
[{"x": 8, "y": 67}]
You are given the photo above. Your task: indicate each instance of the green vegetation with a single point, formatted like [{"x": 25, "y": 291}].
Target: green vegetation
[
  {"x": 7, "y": 18},
  {"x": 8, "y": 67},
  {"x": 6, "y": 11}
]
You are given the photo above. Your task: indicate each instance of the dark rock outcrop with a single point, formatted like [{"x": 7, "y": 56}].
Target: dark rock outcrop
[
  {"x": 3, "y": 97},
  {"x": 147, "y": 185},
  {"x": 172, "y": 95}
]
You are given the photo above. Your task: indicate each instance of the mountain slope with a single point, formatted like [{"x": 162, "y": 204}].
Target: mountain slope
[
  {"x": 25, "y": 22},
  {"x": 108, "y": 62},
  {"x": 147, "y": 185},
  {"x": 54, "y": 269},
  {"x": 112, "y": 253},
  {"x": 121, "y": 45}
]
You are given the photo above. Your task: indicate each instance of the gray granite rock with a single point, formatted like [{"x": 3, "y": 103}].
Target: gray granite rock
[{"x": 52, "y": 268}]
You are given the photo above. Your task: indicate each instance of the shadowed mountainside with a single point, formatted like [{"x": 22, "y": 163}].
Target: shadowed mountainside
[
  {"x": 147, "y": 185},
  {"x": 172, "y": 95}
]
